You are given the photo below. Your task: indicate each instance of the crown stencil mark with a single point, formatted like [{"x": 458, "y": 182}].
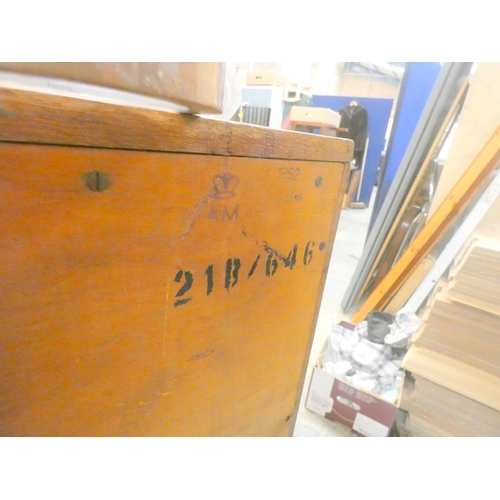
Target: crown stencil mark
[{"x": 224, "y": 185}]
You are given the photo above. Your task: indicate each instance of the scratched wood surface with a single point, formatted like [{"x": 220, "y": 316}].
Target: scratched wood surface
[
  {"x": 197, "y": 85},
  {"x": 31, "y": 117},
  {"x": 180, "y": 301}
]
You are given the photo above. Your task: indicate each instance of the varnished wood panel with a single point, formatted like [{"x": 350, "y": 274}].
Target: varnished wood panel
[
  {"x": 197, "y": 85},
  {"x": 164, "y": 305},
  {"x": 31, "y": 117}
]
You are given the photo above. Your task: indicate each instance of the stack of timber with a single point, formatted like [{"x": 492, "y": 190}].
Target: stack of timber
[
  {"x": 478, "y": 282},
  {"x": 435, "y": 411},
  {"x": 454, "y": 360}
]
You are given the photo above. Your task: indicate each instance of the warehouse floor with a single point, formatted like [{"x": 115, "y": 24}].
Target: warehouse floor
[{"x": 347, "y": 250}]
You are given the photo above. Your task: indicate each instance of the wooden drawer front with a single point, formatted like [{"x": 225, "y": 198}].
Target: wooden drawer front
[{"x": 181, "y": 300}]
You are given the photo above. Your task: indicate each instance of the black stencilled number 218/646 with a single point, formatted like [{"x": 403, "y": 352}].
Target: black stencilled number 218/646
[{"x": 233, "y": 266}]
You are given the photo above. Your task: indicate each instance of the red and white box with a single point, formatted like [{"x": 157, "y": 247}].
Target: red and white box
[{"x": 337, "y": 400}]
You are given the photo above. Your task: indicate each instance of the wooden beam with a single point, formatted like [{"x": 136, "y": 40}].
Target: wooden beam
[
  {"x": 465, "y": 189},
  {"x": 454, "y": 375}
]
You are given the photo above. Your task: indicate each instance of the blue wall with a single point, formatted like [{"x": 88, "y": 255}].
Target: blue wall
[
  {"x": 379, "y": 111},
  {"x": 415, "y": 89}
]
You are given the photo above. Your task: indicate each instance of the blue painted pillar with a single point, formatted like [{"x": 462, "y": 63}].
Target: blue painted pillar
[{"x": 418, "y": 80}]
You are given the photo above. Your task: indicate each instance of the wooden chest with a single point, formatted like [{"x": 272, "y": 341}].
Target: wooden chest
[{"x": 160, "y": 274}]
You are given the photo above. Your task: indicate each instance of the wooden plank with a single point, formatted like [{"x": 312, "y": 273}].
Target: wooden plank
[
  {"x": 450, "y": 422},
  {"x": 31, "y": 117},
  {"x": 466, "y": 188},
  {"x": 419, "y": 426},
  {"x": 478, "y": 120},
  {"x": 199, "y": 86},
  {"x": 405, "y": 292},
  {"x": 431, "y": 153},
  {"x": 459, "y": 349},
  {"x": 438, "y": 293},
  {"x": 454, "y": 375},
  {"x": 166, "y": 305},
  {"x": 463, "y": 333},
  {"x": 468, "y": 414}
]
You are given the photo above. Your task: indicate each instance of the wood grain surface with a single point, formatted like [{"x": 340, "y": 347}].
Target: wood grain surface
[
  {"x": 409, "y": 286},
  {"x": 477, "y": 283},
  {"x": 181, "y": 300},
  {"x": 455, "y": 375},
  {"x": 32, "y": 117},
  {"x": 451, "y": 413},
  {"x": 463, "y": 333},
  {"x": 197, "y": 85}
]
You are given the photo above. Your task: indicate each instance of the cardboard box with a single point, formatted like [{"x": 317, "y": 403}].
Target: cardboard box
[
  {"x": 266, "y": 78},
  {"x": 337, "y": 400},
  {"x": 315, "y": 116}
]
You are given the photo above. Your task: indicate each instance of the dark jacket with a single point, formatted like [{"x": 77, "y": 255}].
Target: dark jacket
[{"x": 355, "y": 120}]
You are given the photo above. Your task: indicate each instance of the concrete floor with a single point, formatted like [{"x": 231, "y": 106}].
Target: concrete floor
[{"x": 347, "y": 250}]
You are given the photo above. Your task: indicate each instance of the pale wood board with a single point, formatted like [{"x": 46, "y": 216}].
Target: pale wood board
[
  {"x": 477, "y": 283},
  {"x": 424, "y": 426},
  {"x": 454, "y": 375},
  {"x": 464, "y": 333},
  {"x": 405, "y": 292},
  {"x": 479, "y": 118},
  {"x": 449, "y": 410}
]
